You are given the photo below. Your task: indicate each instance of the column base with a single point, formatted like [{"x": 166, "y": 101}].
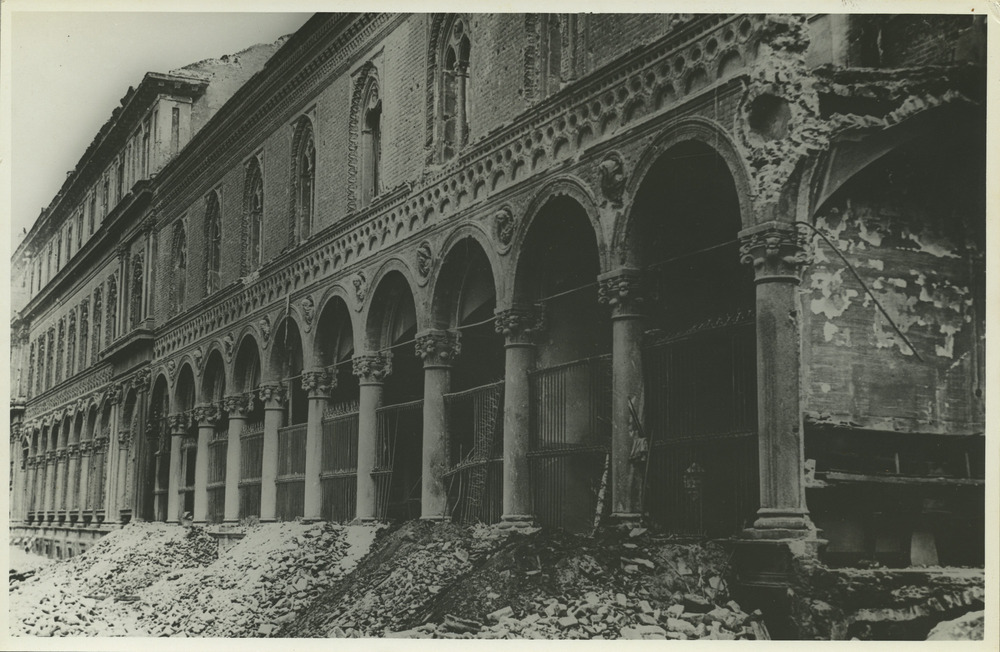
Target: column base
[
  {"x": 436, "y": 519},
  {"x": 625, "y": 520},
  {"x": 364, "y": 520},
  {"x": 516, "y": 521},
  {"x": 782, "y": 524}
]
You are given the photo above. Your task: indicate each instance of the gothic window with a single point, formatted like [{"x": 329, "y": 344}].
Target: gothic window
[
  {"x": 178, "y": 255},
  {"x": 92, "y": 208},
  {"x": 450, "y": 54},
  {"x": 554, "y": 54},
  {"x": 43, "y": 366},
  {"x": 135, "y": 291},
  {"x": 145, "y": 151},
  {"x": 111, "y": 329},
  {"x": 98, "y": 320},
  {"x": 304, "y": 178},
  {"x": 371, "y": 137},
  {"x": 31, "y": 369},
  {"x": 253, "y": 210},
  {"x": 32, "y": 266},
  {"x": 79, "y": 229},
  {"x": 84, "y": 334},
  {"x": 69, "y": 241},
  {"x": 213, "y": 243},
  {"x": 119, "y": 183},
  {"x": 60, "y": 350},
  {"x": 71, "y": 345},
  {"x": 105, "y": 199},
  {"x": 58, "y": 248}
]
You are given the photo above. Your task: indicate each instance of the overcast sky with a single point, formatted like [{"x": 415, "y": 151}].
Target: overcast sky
[{"x": 70, "y": 70}]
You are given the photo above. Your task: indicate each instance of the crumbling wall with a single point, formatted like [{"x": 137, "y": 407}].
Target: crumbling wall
[{"x": 913, "y": 239}]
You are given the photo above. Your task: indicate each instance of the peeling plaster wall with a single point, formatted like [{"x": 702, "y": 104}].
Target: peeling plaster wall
[{"x": 911, "y": 241}]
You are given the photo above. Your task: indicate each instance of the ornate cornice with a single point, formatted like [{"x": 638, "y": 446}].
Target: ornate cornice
[
  {"x": 372, "y": 368},
  {"x": 521, "y": 324},
  {"x": 438, "y": 348},
  {"x": 776, "y": 250},
  {"x": 621, "y": 291}
]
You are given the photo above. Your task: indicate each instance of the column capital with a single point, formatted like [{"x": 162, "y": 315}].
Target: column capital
[
  {"x": 521, "y": 323},
  {"x": 86, "y": 447},
  {"x": 206, "y": 414},
  {"x": 125, "y": 437},
  {"x": 178, "y": 423},
  {"x": 237, "y": 405},
  {"x": 272, "y": 395},
  {"x": 372, "y": 368},
  {"x": 61, "y": 454},
  {"x": 100, "y": 443},
  {"x": 620, "y": 290},
  {"x": 318, "y": 382},
  {"x": 777, "y": 251},
  {"x": 73, "y": 450},
  {"x": 438, "y": 348}
]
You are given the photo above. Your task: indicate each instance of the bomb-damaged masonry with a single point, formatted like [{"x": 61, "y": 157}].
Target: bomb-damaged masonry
[{"x": 720, "y": 274}]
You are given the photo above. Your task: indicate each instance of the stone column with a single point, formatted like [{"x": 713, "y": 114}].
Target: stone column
[
  {"x": 205, "y": 415},
  {"x": 272, "y": 395},
  {"x": 101, "y": 445},
  {"x": 125, "y": 439},
  {"x": 777, "y": 254},
  {"x": 85, "y": 452},
  {"x": 371, "y": 370},
  {"x": 32, "y": 472},
  {"x": 437, "y": 349},
  {"x": 237, "y": 407},
  {"x": 317, "y": 383},
  {"x": 620, "y": 290},
  {"x": 59, "y": 500},
  {"x": 50, "y": 484},
  {"x": 178, "y": 426},
  {"x": 520, "y": 325},
  {"x": 160, "y": 493},
  {"x": 72, "y": 489}
]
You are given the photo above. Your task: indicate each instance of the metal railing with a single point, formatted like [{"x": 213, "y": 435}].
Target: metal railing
[
  {"x": 251, "y": 465},
  {"x": 701, "y": 412},
  {"x": 397, "y": 469},
  {"x": 291, "y": 476},
  {"x": 339, "y": 467},
  {"x": 569, "y": 440},
  {"x": 474, "y": 422}
]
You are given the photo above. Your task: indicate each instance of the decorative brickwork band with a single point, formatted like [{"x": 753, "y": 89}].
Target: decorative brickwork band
[
  {"x": 438, "y": 348},
  {"x": 521, "y": 324},
  {"x": 318, "y": 382},
  {"x": 272, "y": 395},
  {"x": 372, "y": 368},
  {"x": 206, "y": 414},
  {"x": 775, "y": 249},
  {"x": 621, "y": 291}
]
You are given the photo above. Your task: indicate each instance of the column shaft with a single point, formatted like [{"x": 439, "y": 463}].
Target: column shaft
[
  {"x": 434, "y": 495},
  {"x": 234, "y": 454},
  {"x": 369, "y": 400},
  {"x": 173, "y": 489},
  {"x": 206, "y": 430},
  {"x": 627, "y": 383},
  {"x": 274, "y": 419},
  {"x": 520, "y": 359},
  {"x": 312, "y": 510}
]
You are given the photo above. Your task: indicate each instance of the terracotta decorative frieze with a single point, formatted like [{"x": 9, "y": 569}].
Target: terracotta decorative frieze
[
  {"x": 620, "y": 290},
  {"x": 372, "y": 367},
  {"x": 438, "y": 347},
  {"x": 522, "y": 324},
  {"x": 776, "y": 250}
]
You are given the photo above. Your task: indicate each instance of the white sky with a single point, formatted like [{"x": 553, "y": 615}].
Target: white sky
[{"x": 70, "y": 70}]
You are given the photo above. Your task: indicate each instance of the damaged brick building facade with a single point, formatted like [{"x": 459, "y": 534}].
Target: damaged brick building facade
[{"x": 728, "y": 279}]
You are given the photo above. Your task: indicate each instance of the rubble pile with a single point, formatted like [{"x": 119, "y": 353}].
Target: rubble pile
[
  {"x": 415, "y": 564},
  {"x": 68, "y": 598},
  {"x": 442, "y": 581},
  {"x": 157, "y": 580}
]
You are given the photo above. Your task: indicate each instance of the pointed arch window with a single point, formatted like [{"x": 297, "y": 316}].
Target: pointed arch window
[
  {"x": 84, "y": 334},
  {"x": 371, "y": 144},
  {"x": 253, "y": 209},
  {"x": 98, "y": 320},
  {"x": 304, "y": 178},
  {"x": 136, "y": 289},
  {"x": 213, "y": 243},
  {"x": 178, "y": 250},
  {"x": 454, "y": 87},
  {"x": 111, "y": 331}
]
